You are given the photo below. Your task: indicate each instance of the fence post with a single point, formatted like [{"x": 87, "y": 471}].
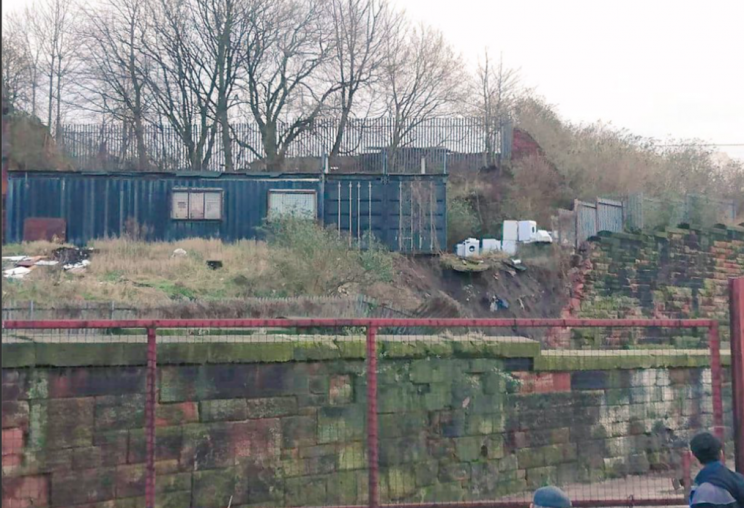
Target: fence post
[
  {"x": 714, "y": 342},
  {"x": 150, "y": 416},
  {"x": 736, "y": 292},
  {"x": 372, "y": 444}
]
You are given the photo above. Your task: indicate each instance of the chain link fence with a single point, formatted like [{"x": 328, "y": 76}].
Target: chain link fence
[{"x": 340, "y": 412}]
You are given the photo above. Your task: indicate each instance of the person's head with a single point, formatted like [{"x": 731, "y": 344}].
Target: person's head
[
  {"x": 706, "y": 447},
  {"x": 550, "y": 497}
]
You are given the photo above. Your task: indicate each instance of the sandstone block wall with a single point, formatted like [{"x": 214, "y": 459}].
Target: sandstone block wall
[
  {"x": 251, "y": 425},
  {"x": 677, "y": 273}
]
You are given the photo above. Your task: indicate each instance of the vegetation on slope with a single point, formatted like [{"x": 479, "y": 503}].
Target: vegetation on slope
[{"x": 584, "y": 162}]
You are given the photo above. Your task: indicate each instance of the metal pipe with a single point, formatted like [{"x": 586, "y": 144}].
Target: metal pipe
[
  {"x": 716, "y": 374},
  {"x": 359, "y": 214},
  {"x": 351, "y": 221},
  {"x": 400, "y": 216},
  {"x": 372, "y": 431},
  {"x": 410, "y": 192},
  {"x": 339, "y": 209},
  {"x": 150, "y": 417},
  {"x": 5, "y": 161},
  {"x": 432, "y": 224},
  {"x": 736, "y": 287},
  {"x": 362, "y": 322}
]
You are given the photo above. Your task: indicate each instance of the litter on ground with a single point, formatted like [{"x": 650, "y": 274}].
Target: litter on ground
[
  {"x": 16, "y": 273},
  {"x": 72, "y": 259}
]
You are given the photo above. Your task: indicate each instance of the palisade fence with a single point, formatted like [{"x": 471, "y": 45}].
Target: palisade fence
[
  {"x": 429, "y": 145},
  {"x": 648, "y": 213}
]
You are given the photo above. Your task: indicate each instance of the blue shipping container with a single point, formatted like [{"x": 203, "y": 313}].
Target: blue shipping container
[{"x": 405, "y": 212}]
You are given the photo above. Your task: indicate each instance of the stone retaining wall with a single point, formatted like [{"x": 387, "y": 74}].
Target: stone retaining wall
[
  {"x": 284, "y": 424},
  {"x": 677, "y": 273}
]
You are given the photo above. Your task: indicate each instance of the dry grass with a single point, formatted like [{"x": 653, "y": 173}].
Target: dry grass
[
  {"x": 301, "y": 260},
  {"x": 147, "y": 273},
  {"x": 31, "y": 248}
]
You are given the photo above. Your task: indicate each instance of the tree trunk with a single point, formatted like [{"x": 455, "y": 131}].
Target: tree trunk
[
  {"x": 58, "y": 126},
  {"x": 139, "y": 129},
  {"x": 187, "y": 136},
  {"x": 51, "y": 95},
  {"x": 139, "y": 134},
  {"x": 33, "y": 94},
  {"x": 392, "y": 156},
  {"x": 273, "y": 158},
  {"x": 222, "y": 99},
  {"x": 226, "y": 140},
  {"x": 340, "y": 132}
]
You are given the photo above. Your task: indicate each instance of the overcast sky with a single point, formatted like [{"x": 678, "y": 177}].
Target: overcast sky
[{"x": 661, "y": 68}]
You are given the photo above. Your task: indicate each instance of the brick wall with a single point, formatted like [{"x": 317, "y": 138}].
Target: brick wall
[
  {"x": 678, "y": 273},
  {"x": 458, "y": 421}
]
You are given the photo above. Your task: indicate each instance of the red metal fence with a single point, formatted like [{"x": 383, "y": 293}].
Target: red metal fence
[
  {"x": 481, "y": 430},
  {"x": 736, "y": 291}
]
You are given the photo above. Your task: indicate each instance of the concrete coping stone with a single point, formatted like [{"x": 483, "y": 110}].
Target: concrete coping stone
[
  {"x": 625, "y": 359},
  {"x": 719, "y": 230},
  {"x": 21, "y": 350}
]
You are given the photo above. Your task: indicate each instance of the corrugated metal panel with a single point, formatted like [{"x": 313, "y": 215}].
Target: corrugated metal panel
[
  {"x": 602, "y": 215},
  {"x": 586, "y": 220},
  {"x": 609, "y": 215},
  {"x": 406, "y": 213},
  {"x": 108, "y": 205}
]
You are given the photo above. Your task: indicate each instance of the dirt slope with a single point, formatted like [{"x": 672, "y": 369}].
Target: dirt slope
[{"x": 425, "y": 289}]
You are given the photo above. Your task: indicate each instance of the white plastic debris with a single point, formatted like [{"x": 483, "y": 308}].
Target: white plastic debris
[
  {"x": 83, "y": 264},
  {"x": 14, "y": 259},
  {"x": 46, "y": 262},
  {"x": 179, "y": 253},
  {"x": 16, "y": 273}
]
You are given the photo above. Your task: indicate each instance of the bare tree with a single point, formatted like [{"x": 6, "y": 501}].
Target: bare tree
[
  {"x": 422, "y": 78},
  {"x": 223, "y": 30},
  {"x": 22, "y": 52},
  {"x": 52, "y": 26},
  {"x": 182, "y": 92},
  {"x": 16, "y": 64},
  {"x": 286, "y": 53},
  {"x": 361, "y": 28},
  {"x": 116, "y": 70},
  {"x": 496, "y": 90}
]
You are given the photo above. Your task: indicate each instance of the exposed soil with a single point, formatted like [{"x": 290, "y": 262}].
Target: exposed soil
[{"x": 425, "y": 289}]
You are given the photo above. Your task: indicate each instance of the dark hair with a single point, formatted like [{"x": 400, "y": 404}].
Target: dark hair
[{"x": 706, "y": 447}]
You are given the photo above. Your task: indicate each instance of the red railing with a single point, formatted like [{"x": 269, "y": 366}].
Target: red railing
[
  {"x": 736, "y": 287},
  {"x": 373, "y": 325}
]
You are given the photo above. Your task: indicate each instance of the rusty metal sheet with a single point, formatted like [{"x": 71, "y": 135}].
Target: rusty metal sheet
[{"x": 44, "y": 228}]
